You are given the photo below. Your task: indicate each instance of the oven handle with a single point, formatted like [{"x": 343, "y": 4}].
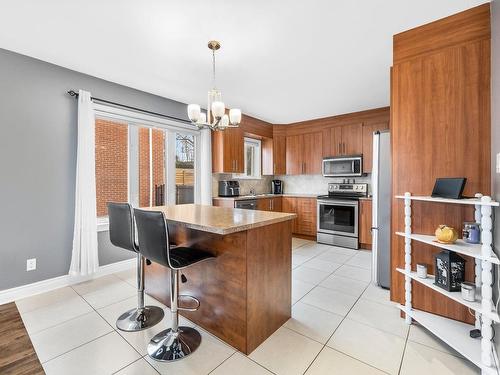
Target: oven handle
[{"x": 340, "y": 203}]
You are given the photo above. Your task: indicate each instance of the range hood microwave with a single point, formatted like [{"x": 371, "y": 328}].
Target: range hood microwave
[{"x": 343, "y": 166}]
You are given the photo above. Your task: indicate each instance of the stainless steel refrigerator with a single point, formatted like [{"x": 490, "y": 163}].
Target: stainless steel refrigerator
[{"x": 381, "y": 209}]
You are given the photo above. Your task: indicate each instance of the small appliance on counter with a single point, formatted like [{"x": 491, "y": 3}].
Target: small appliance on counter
[
  {"x": 228, "y": 188},
  {"x": 277, "y": 186}
]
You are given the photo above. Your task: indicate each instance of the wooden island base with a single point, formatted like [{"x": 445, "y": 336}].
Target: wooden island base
[{"x": 245, "y": 292}]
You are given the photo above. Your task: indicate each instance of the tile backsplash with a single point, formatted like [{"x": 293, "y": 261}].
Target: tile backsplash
[
  {"x": 315, "y": 184},
  {"x": 310, "y": 184},
  {"x": 261, "y": 186}
]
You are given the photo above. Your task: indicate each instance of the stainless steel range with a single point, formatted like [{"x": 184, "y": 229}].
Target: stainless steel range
[{"x": 338, "y": 214}]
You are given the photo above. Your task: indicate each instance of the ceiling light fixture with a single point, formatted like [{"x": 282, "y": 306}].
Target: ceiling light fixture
[{"x": 216, "y": 117}]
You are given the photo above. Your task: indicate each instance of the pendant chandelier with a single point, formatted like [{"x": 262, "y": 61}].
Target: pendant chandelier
[{"x": 216, "y": 117}]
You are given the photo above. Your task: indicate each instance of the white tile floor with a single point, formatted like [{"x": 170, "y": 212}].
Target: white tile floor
[{"x": 341, "y": 324}]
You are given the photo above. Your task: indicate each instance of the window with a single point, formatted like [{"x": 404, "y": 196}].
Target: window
[
  {"x": 184, "y": 168},
  {"x": 143, "y": 164},
  {"x": 252, "y": 158}
]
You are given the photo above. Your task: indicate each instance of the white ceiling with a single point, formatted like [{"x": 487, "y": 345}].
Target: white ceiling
[{"x": 281, "y": 61}]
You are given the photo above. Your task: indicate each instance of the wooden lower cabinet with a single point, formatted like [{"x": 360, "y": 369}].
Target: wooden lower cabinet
[
  {"x": 269, "y": 204},
  {"x": 277, "y": 204},
  {"x": 264, "y": 204},
  {"x": 365, "y": 223},
  {"x": 290, "y": 206},
  {"x": 305, "y": 208}
]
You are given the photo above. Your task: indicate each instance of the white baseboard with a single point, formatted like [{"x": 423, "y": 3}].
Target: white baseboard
[{"x": 23, "y": 291}]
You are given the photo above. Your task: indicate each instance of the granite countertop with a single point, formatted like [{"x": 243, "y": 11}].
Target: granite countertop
[
  {"x": 268, "y": 195},
  {"x": 220, "y": 220}
]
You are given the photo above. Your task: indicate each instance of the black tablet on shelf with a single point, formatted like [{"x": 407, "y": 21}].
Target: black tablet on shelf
[{"x": 449, "y": 188}]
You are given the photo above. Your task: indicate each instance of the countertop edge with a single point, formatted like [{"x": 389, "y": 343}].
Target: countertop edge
[
  {"x": 230, "y": 230},
  {"x": 290, "y": 195}
]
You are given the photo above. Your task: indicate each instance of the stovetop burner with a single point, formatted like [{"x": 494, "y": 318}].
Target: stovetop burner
[{"x": 345, "y": 191}]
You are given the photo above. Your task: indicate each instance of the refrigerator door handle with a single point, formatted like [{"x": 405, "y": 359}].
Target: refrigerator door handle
[{"x": 375, "y": 279}]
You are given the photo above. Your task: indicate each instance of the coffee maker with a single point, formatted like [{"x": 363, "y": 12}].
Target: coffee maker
[{"x": 277, "y": 187}]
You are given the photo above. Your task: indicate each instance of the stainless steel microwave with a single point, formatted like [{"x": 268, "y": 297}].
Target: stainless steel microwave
[{"x": 343, "y": 166}]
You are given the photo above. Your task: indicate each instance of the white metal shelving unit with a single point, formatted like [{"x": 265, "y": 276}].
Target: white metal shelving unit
[{"x": 456, "y": 334}]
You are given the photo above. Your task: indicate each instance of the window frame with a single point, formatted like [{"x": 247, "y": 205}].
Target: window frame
[
  {"x": 138, "y": 119},
  {"x": 257, "y": 162}
]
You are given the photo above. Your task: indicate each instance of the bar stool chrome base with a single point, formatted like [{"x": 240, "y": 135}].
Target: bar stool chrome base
[
  {"x": 168, "y": 346},
  {"x": 139, "y": 319}
]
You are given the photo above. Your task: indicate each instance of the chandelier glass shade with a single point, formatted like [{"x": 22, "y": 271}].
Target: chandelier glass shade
[{"x": 216, "y": 117}]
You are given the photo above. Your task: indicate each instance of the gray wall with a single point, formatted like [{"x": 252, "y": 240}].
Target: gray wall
[{"x": 37, "y": 163}]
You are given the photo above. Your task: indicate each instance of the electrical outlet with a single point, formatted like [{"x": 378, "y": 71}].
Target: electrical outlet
[{"x": 31, "y": 264}]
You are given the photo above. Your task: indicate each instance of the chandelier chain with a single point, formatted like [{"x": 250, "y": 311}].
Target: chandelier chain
[{"x": 213, "y": 69}]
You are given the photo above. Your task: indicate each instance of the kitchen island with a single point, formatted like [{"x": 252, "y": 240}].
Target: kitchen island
[{"x": 245, "y": 292}]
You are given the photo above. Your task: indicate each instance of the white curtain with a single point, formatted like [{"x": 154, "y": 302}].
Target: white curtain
[
  {"x": 84, "y": 259},
  {"x": 206, "y": 166}
]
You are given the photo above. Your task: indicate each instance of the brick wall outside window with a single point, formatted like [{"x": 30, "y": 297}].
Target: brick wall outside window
[{"x": 111, "y": 160}]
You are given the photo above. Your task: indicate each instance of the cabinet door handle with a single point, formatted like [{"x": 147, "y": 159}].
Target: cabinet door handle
[
  {"x": 274, "y": 168},
  {"x": 339, "y": 148}
]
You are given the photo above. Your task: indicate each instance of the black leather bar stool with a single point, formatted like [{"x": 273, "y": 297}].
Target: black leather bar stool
[
  {"x": 122, "y": 234},
  {"x": 176, "y": 342}
]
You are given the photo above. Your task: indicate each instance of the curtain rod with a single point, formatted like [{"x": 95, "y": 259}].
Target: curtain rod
[{"x": 74, "y": 94}]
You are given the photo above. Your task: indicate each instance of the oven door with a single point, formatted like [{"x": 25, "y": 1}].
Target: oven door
[{"x": 338, "y": 217}]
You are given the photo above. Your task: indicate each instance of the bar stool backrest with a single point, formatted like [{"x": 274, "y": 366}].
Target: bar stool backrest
[
  {"x": 152, "y": 232},
  {"x": 121, "y": 226}
]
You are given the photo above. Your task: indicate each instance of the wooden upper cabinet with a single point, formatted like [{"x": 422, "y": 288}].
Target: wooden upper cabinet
[
  {"x": 279, "y": 154},
  {"x": 238, "y": 147},
  {"x": 352, "y": 139},
  {"x": 312, "y": 153},
  {"x": 267, "y": 145},
  {"x": 346, "y": 140},
  {"x": 304, "y": 153},
  {"x": 368, "y": 130},
  {"x": 335, "y": 141},
  {"x": 227, "y": 151},
  {"x": 294, "y": 162}
]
